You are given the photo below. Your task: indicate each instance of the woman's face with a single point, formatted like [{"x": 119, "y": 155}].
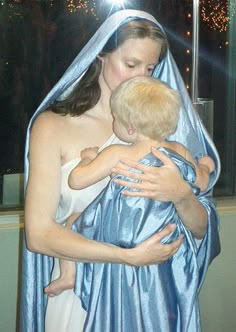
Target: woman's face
[{"x": 135, "y": 57}]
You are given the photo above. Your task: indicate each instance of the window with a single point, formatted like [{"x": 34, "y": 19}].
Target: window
[{"x": 39, "y": 39}]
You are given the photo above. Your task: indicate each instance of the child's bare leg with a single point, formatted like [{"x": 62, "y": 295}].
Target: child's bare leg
[
  {"x": 67, "y": 270},
  {"x": 65, "y": 281}
]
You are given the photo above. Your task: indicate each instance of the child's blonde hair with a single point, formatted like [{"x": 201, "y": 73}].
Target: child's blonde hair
[{"x": 148, "y": 104}]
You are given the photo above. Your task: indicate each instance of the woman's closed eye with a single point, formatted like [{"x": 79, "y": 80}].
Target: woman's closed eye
[{"x": 130, "y": 65}]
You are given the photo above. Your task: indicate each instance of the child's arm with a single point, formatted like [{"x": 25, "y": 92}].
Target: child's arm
[
  {"x": 91, "y": 170},
  {"x": 203, "y": 168}
]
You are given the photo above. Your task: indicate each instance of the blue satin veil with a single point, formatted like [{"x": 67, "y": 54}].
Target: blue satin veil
[{"x": 37, "y": 268}]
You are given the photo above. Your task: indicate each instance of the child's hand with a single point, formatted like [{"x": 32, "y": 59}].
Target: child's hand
[
  {"x": 89, "y": 153},
  {"x": 204, "y": 167},
  {"x": 208, "y": 162}
]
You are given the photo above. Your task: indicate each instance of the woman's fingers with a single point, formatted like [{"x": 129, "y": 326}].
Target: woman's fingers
[
  {"x": 137, "y": 189},
  {"x": 144, "y": 180},
  {"x": 169, "y": 248},
  {"x": 142, "y": 187},
  {"x": 132, "y": 164},
  {"x": 142, "y": 167},
  {"x": 129, "y": 174},
  {"x": 162, "y": 156},
  {"x": 159, "y": 183},
  {"x": 152, "y": 251}
]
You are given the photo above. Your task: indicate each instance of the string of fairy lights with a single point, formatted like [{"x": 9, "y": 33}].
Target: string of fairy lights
[
  {"x": 216, "y": 14},
  {"x": 85, "y": 5},
  {"x": 188, "y": 33}
]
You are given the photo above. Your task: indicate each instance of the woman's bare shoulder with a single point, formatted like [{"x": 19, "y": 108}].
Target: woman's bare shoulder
[
  {"x": 48, "y": 123},
  {"x": 47, "y": 118},
  {"x": 47, "y": 130}
]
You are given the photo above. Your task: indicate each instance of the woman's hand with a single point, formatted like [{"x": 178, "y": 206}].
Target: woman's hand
[
  {"x": 152, "y": 251},
  {"x": 160, "y": 183},
  {"x": 166, "y": 184}
]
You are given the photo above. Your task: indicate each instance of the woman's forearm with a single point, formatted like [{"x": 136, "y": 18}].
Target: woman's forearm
[
  {"x": 192, "y": 213},
  {"x": 55, "y": 240},
  {"x": 58, "y": 241}
]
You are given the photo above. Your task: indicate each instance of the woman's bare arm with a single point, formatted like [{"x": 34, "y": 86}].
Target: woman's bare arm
[{"x": 45, "y": 236}]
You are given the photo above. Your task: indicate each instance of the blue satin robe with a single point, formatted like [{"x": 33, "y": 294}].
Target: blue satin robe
[{"x": 161, "y": 297}]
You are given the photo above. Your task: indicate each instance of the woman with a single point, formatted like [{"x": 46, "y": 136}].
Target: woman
[{"x": 53, "y": 144}]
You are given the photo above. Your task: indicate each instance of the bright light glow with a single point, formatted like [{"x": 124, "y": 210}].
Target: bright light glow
[{"x": 117, "y": 2}]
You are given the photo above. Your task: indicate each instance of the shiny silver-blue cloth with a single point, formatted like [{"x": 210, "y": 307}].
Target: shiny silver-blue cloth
[
  {"x": 161, "y": 297},
  {"x": 190, "y": 132}
]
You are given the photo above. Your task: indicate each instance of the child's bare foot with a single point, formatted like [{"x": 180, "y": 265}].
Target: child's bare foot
[{"x": 59, "y": 285}]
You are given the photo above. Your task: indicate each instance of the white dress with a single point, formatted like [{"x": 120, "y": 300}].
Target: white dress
[{"x": 64, "y": 312}]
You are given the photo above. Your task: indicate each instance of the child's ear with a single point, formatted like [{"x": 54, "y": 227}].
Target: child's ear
[{"x": 131, "y": 129}]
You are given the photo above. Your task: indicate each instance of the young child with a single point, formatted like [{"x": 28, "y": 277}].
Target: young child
[{"x": 145, "y": 113}]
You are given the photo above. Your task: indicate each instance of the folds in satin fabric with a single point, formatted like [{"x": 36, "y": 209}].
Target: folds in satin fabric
[{"x": 161, "y": 297}]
